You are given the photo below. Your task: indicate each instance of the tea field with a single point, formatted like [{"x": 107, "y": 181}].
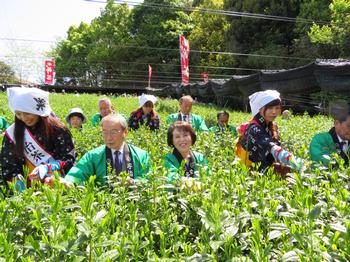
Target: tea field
[{"x": 237, "y": 215}]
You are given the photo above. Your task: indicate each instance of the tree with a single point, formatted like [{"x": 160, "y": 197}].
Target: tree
[
  {"x": 91, "y": 52},
  {"x": 208, "y": 35},
  {"x": 311, "y": 10},
  {"x": 70, "y": 55},
  {"x": 156, "y": 26},
  {"x": 26, "y": 60},
  {"x": 261, "y": 36},
  {"x": 7, "y": 75},
  {"x": 335, "y": 35}
]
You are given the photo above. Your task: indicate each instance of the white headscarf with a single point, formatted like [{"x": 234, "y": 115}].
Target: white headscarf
[
  {"x": 145, "y": 98},
  {"x": 29, "y": 100},
  {"x": 260, "y": 99}
]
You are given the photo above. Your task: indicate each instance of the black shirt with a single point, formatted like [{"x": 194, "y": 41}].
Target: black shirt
[{"x": 60, "y": 145}]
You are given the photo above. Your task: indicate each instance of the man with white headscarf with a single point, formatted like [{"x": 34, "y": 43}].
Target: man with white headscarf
[
  {"x": 37, "y": 141},
  {"x": 145, "y": 114},
  {"x": 259, "y": 138}
]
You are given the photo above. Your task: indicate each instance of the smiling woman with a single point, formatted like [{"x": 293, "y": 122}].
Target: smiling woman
[
  {"x": 37, "y": 141},
  {"x": 183, "y": 162}
]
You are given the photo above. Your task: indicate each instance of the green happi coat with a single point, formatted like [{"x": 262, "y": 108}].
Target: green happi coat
[
  {"x": 174, "y": 167},
  {"x": 96, "y": 118},
  {"x": 94, "y": 162},
  {"x": 323, "y": 145},
  {"x": 198, "y": 123},
  {"x": 3, "y": 123},
  {"x": 229, "y": 128}
]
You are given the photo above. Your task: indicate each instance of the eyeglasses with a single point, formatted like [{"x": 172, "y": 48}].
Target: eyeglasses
[{"x": 111, "y": 132}]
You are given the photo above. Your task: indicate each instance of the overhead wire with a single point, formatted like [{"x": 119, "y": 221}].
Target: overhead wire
[
  {"x": 193, "y": 51},
  {"x": 149, "y": 63},
  {"x": 218, "y": 11},
  {"x": 214, "y": 11}
]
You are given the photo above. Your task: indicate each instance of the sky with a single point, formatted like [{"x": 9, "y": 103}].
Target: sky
[{"x": 44, "y": 20}]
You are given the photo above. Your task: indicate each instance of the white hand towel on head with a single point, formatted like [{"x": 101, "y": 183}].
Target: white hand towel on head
[
  {"x": 260, "y": 99},
  {"x": 29, "y": 100},
  {"x": 145, "y": 98}
]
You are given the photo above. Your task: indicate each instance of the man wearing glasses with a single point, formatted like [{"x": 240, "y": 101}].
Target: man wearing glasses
[
  {"x": 116, "y": 154},
  {"x": 336, "y": 141}
]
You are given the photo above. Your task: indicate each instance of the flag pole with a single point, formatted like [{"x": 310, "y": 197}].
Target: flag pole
[{"x": 149, "y": 75}]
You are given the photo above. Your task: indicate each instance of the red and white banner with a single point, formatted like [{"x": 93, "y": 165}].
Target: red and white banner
[
  {"x": 205, "y": 77},
  {"x": 184, "y": 52},
  {"x": 49, "y": 72},
  {"x": 149, "y": 75}
]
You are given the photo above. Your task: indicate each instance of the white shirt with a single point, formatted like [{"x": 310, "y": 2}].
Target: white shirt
[
  {"x": 188, "y": 117},
  {"x": 345, "y": 146}
]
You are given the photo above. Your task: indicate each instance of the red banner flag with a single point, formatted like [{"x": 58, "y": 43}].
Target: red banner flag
[
  {"x": 205, "y": 77},
  {"x": 149, "y": 75},
  {"x": 184, "y": 52},
  {"x": 49, "y": 72}
]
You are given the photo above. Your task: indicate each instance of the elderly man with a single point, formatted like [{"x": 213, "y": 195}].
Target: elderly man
[
  {"x": 222, "y": 125},
  {"x": 185, "y": 115},
  {"x": 336, "y": 140},
  {"x": 120, "y": 155},
  {"x": 105, "y": 108}
]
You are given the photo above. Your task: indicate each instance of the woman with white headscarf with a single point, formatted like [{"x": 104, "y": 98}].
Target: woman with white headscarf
[
  {"x": 37, "y": 142},
  {"x": 145, "y": 114},
  {"x": 259, "y": 142}
]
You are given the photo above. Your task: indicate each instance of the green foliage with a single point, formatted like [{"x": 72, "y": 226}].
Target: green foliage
[
  {"x": 116, "y": 47},
  {"x": 337, "y": 33},
  {"x": 159, "y": 26},
  {"x": 314, "y": 10},
  {"x": 7, "y": 75},
  {"x": 237, "y": 214},
  {"x": 260, "y": 36},
  {"x": 84, "y": 57},
  {"x": 208, "y": 35}
]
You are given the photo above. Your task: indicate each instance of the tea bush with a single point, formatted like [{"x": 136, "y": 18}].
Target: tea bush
[{"x": 237, "y": 215}]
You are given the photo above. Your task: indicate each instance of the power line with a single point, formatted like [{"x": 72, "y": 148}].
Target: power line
[
  {"x": 161, "y": 74},
  {"x": 219, "y": 12},
  {"x": 176, "y": 65},
  {"x": 145, "y": 76},
  {"x": 26, "y": 40},
  {"x": 193, "y": 51},
  {"x": 122, "y": 81},
  {"x": 145, "y": 63}
]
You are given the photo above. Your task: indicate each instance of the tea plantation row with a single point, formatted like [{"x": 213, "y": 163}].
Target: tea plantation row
[{"x": 238, "y": 215}]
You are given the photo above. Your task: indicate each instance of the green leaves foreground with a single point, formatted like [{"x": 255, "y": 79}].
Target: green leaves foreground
[{"x": 235, "y": 215}]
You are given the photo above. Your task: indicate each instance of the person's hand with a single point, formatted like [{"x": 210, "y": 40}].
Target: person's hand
[
  {"x": 41, "y": 171},
  {"x": 286, "y": 158},
  {"x": 50, "y": 181},
  {"x": 129, "y": 181},
  {"x": 190, "y": 183},
  {"x": 38, "y": 173}
]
